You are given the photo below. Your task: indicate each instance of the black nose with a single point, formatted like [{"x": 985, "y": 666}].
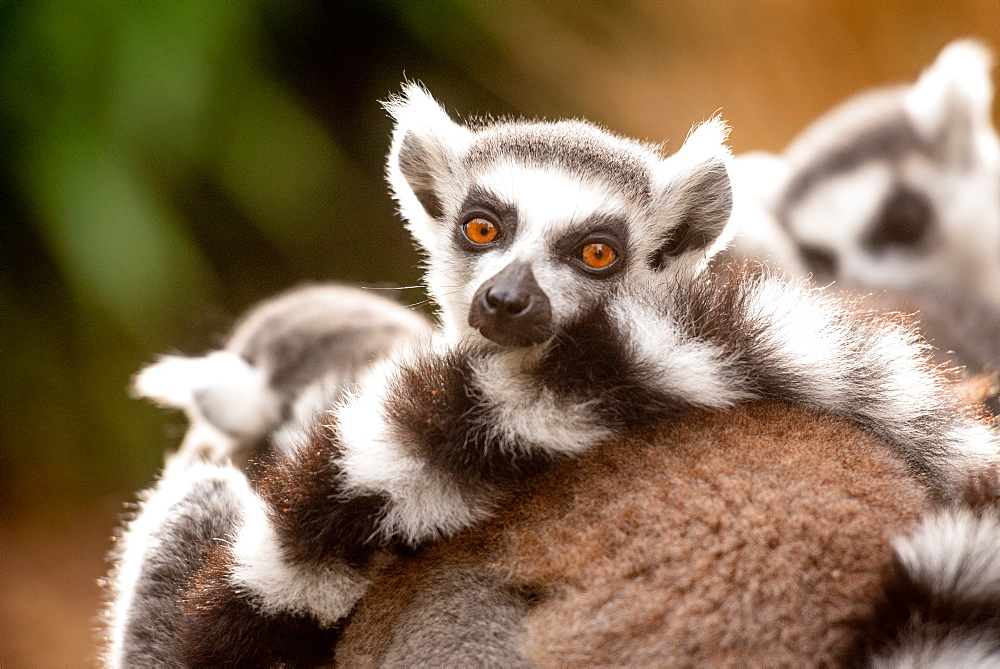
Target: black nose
[
  {"x": 506, "y": 300},
  {"x": 511, "y": 309}
]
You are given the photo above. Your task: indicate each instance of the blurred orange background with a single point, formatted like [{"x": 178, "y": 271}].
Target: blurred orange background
[{"x": 165, "y": 165}]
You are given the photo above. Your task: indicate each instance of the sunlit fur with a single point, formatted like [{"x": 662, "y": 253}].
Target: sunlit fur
[
  {"x": 191, "y": 509},
  {"x": 439, "y": 437}
]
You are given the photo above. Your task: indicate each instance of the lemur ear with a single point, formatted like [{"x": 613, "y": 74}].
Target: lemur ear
[
  {"x": 952, "y": 100},
  {"x": 426, "y": 148},
  {"x": 695, "y": 195}
]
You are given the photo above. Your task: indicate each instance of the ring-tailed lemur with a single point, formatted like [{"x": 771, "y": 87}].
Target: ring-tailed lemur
[
  {"x": 895, "y": 187},
  {"x": 285, "y": 360},
  {"x": 577, "y": 307},
  {"x": 894, "y": 191}
]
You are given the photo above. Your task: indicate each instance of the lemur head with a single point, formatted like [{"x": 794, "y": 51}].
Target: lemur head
[
  {"x": 526, "y": 224},
  {"x": 900, "y": 186}
]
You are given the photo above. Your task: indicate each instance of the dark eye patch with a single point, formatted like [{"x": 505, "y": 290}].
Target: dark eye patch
[
  {"x": 482, "y": 203},
  {"x": 601, "y": 230},
  {"x": 820, "y": 261},
  {"x": 904, "y": 221}
]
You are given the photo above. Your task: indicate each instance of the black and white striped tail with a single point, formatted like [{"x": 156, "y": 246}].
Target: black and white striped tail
[
  {"x": 392, "y": 469},
  {"x": 940, "y": 602}
]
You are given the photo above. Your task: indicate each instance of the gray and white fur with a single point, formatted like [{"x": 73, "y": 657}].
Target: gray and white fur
[
  {"x": 895, "y": 192},
  {"x": 897, "y": 187},
  {"x": 286, "y": 359},
  {"x": 578, "y": 304},
  {"x": 192, "y": 508}
]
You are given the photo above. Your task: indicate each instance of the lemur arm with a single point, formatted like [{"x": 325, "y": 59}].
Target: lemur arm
[
  {"x": 415, "y": 455},
  {"x": 190, "y": 512},
  {"x": 421, "y": 451}
]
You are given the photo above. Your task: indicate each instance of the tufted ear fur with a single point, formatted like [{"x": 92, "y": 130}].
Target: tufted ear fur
[
  {"x": 953, "y": 98},
  {"x": 426, "y": 148},
  {"x": 695, "y": 196}
]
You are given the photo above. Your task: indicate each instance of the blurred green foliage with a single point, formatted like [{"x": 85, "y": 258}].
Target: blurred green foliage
[{"x": 164, "y": 166}]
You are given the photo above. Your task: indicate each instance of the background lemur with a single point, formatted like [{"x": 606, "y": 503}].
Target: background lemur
[
  {"x": 285, "y": 360},
  {"x": 577, "y": 311},
  {"x": 894, "y": 192}
]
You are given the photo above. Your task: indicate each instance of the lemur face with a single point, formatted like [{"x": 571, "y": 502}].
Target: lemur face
[
  {"x": 527, "y": 224},
  {"x": 901, "y": 187},
  {"x": 531, "y": 246}
]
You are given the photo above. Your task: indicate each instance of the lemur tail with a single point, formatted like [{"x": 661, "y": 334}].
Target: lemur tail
[
  {"x": 940, "y": 602},
  {"x": 221, "y": 386},
  {"x": 190, "y": 511}
]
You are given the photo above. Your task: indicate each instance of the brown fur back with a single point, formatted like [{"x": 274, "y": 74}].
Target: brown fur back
[{"x": 745, "y": 537}]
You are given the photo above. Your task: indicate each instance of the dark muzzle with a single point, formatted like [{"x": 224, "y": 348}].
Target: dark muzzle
[{"x": 511, "y": 309}]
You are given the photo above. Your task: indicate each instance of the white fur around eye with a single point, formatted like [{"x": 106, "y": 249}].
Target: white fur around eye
[
  {"x": 549, "y": 201},
  {"x": 852, "y": 199}
]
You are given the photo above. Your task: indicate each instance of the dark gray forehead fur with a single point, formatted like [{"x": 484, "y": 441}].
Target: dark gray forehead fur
[
  {"x": 575, "y": 146},
  {"x": 887, "y": 141},
  {"x": 876, "y": 129}
]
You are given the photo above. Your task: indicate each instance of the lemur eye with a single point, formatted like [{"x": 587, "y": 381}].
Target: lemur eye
[
  {"x": 598, "y": 255},
  {"x": 481, "y": 231}
]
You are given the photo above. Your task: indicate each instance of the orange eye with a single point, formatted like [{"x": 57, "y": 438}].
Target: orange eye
[
  {"x": 597, "y": 255},
  {"x": 481, "y": 231}
]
